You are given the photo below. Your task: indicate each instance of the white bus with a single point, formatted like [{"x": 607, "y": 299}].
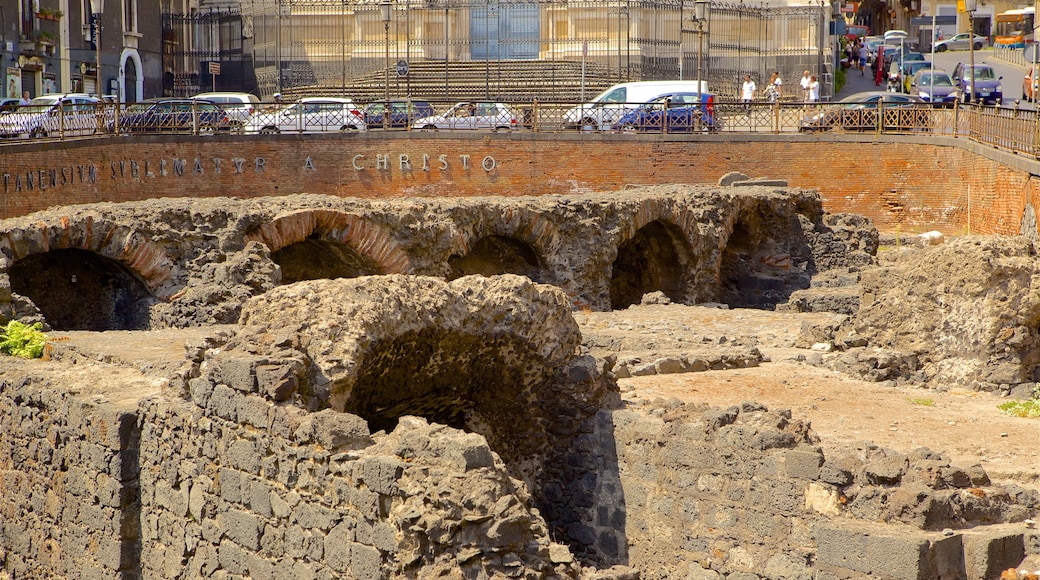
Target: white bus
[{"x": 607, "y": 107}]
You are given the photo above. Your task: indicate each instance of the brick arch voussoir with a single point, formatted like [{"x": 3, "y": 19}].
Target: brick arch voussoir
[
  {"x": 140, "y": 255},
  {"x": 531, "y": 228},
  {"x": 368, "y": 238}
]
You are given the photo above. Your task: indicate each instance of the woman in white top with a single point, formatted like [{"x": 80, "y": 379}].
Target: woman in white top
[{"x": 814, "y": 90}]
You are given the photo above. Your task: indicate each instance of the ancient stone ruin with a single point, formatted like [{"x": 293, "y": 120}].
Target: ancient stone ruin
[{"x": 314, "y": 387}]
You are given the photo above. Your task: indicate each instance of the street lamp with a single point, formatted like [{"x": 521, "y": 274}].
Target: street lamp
[
  {"x": 970, "y": 6},
  {"x": 700, "y": 16},
  {"x": 96, "y": 8},
  {"x": 384, "y": 9}
]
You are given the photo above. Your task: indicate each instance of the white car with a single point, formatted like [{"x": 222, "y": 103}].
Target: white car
[
  {"x": 470, "y": 116},
  {"x": 54, "y": 115},
  {"x": 239, "y": 106},
  {"x": 310, "y": 115}
]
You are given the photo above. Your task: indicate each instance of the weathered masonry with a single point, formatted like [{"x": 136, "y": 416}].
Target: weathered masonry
[{"x": 909, "y": 183}]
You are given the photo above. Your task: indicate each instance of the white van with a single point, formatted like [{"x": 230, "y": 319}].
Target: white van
[{"x": 608, "y": 107}]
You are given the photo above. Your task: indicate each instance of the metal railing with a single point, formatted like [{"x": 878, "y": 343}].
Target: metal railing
[{"x": 1005, "y": 128}]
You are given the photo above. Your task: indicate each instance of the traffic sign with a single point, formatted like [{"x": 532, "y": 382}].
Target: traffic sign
[
  {"x": 1032, "y": 53},
  {"x": 214, "y": 67},
  {"x": 402, "y": 68}
]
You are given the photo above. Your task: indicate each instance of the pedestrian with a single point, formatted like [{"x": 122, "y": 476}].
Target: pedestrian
[
  {"x": 775, "y": 89},
  {"x": 26, "y": 99},
  {"x": 814, "y": 90},
  {"x": 864, "y": 52},
  {"x": 805, "y": 85},
  {"x": 747, "y": 93}
]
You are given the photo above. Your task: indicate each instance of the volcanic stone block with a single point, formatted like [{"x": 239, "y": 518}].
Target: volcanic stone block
[
  {"x": 990, "y": 550},
  {"x": 893, "y": 552}
]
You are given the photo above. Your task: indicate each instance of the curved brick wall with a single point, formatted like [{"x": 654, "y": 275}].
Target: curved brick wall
[{"x": 907, "y": 183}]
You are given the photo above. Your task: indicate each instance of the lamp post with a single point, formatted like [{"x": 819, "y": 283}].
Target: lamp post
[
  {"x": 970, "y": 6},
  {"x": 700, "y": 15},
  {"x": 384, "y": 10},
  {"x": 97, "y": 7}
]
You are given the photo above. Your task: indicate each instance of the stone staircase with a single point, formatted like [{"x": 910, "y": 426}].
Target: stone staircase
[{"x": 511, "y": 81}]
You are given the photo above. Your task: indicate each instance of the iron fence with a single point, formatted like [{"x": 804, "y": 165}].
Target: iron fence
[
  {"x": 1005, "y": 128},
  {"x": 492, "y": 49}
]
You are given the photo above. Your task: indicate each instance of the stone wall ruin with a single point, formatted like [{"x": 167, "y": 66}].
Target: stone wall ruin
[{"x": 429, "y": 422}]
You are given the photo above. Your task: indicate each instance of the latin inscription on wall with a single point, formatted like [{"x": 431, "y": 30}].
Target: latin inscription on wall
[{"x": 147, "y": 169}]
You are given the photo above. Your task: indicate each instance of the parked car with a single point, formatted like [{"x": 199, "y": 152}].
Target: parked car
[
  {"x": 470, "y": 115},
  {"x": 402, "y": 113},
  {"x": 239, "y": 106},
  {"x": 175, "y": 115},
  {"x": 686, "y": 112},
  {"x": 934, "y": 86},
  {"x": 988, "y": 89},
  {"x": 9, "y": 104},
  {"x": 909, "y": 69},
  {"x": 961, "y": 41},
  {"x": 310, "y": 115},
  {"x": 859, "y": 112},
  {"x": 56, "y": 114},
  {"x": 1030, "y": 86}
]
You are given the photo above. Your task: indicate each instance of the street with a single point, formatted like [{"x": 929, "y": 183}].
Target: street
[{"x": 1011, "y": 82}]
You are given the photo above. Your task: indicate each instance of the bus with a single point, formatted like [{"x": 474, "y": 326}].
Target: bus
[{"x": 1014, "y": 28}]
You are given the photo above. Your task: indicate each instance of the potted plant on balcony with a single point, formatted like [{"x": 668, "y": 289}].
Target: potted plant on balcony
[
  {"x": 45, "y": 42},
  {"x": 48, "y": 14}
]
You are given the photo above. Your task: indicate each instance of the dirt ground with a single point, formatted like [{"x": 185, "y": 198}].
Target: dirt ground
[{"x": 965, "y": 425}]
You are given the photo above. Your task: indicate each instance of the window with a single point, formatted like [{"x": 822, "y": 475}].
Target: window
[{"x": 130, "y": 15}]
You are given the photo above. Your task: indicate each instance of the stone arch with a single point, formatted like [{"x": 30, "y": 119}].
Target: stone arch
[
  {"x": 141, "y": 257},
  {"x": 654, "y": 253},
  {"x": 134, "y": 93},
  {"x": 311, "y": 244},
  {"x": 755, "y": 269},
  {"x": 655, "y": 258},
  {"x": 513, "y": 241}
]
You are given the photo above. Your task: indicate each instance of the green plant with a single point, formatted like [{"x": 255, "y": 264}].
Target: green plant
[
  {"x": 1029, "y": 408},
  {"x": 44, "y": 36},
  {"x": 23, "y": 340},
  {"x": 922, "y": 402},
  {"x": 839, "y": 79}
]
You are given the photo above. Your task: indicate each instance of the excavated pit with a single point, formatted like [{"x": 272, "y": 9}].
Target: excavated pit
[
  {"x": 494, "y": 255},
  {"x": 655, "y": 259},
  {"x": 316, "y": 258}
]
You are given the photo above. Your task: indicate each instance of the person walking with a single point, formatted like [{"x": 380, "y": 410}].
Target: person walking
[
  {"x": 814, "y": 90},
  {"x": 747, "y": 93},
  {"x": 804, "y": 82},
  {"x": 775, "y": 89},
  {"x": 863, "y": 53}
]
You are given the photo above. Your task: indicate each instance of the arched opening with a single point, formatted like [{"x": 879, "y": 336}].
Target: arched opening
[
  {"x": 493, "y": 255},
  {"x": 130, "y": 80},
  {"x": 317, "y": 258},
  {"x": 467, "y": 381},
  {"x": 81, "y": 290},
  {"x": 759, "y": 267},
  {"x": 654, "y": 259}
]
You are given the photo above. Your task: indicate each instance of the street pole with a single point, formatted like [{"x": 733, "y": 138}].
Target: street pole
[
  {"x": 384, "y": 8},
  {"x": 970, "y": 6},
  {"x": 98, "y": 8},
  {"x": 700, "y": 14}
]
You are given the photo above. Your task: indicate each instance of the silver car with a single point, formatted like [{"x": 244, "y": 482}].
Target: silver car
[
  {"x": 961, "y": 42},
  {"x": 54, "y": 115},
  {"x": 310, "y": 115},
  {"x": 470, "y": 116}
]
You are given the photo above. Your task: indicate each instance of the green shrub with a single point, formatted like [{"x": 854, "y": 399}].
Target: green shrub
[
  {"x": 839, "y": 79},
  {"x": 23, "y": 340}
]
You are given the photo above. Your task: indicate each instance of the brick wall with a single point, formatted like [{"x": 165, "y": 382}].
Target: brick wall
[{"x": 910, "y": 184}]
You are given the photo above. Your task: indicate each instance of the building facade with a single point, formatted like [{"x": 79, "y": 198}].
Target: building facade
[{"x": 49, "y": 46}]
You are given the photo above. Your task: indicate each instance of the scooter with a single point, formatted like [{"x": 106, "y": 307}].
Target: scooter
[{"x": 894, "y": 83}]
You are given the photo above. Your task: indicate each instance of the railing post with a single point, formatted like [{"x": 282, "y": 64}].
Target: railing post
[{"x": 534, "y": 116}]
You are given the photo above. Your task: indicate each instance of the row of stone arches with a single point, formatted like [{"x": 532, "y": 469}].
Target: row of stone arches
[{"x": 92, "y": 276}]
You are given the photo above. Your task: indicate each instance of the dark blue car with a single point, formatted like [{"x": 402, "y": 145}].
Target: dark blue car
[
  {"x": 401, "y": 113},
  {"x": 175, "y": 115},
  {"x": 686, "y": 113}
]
